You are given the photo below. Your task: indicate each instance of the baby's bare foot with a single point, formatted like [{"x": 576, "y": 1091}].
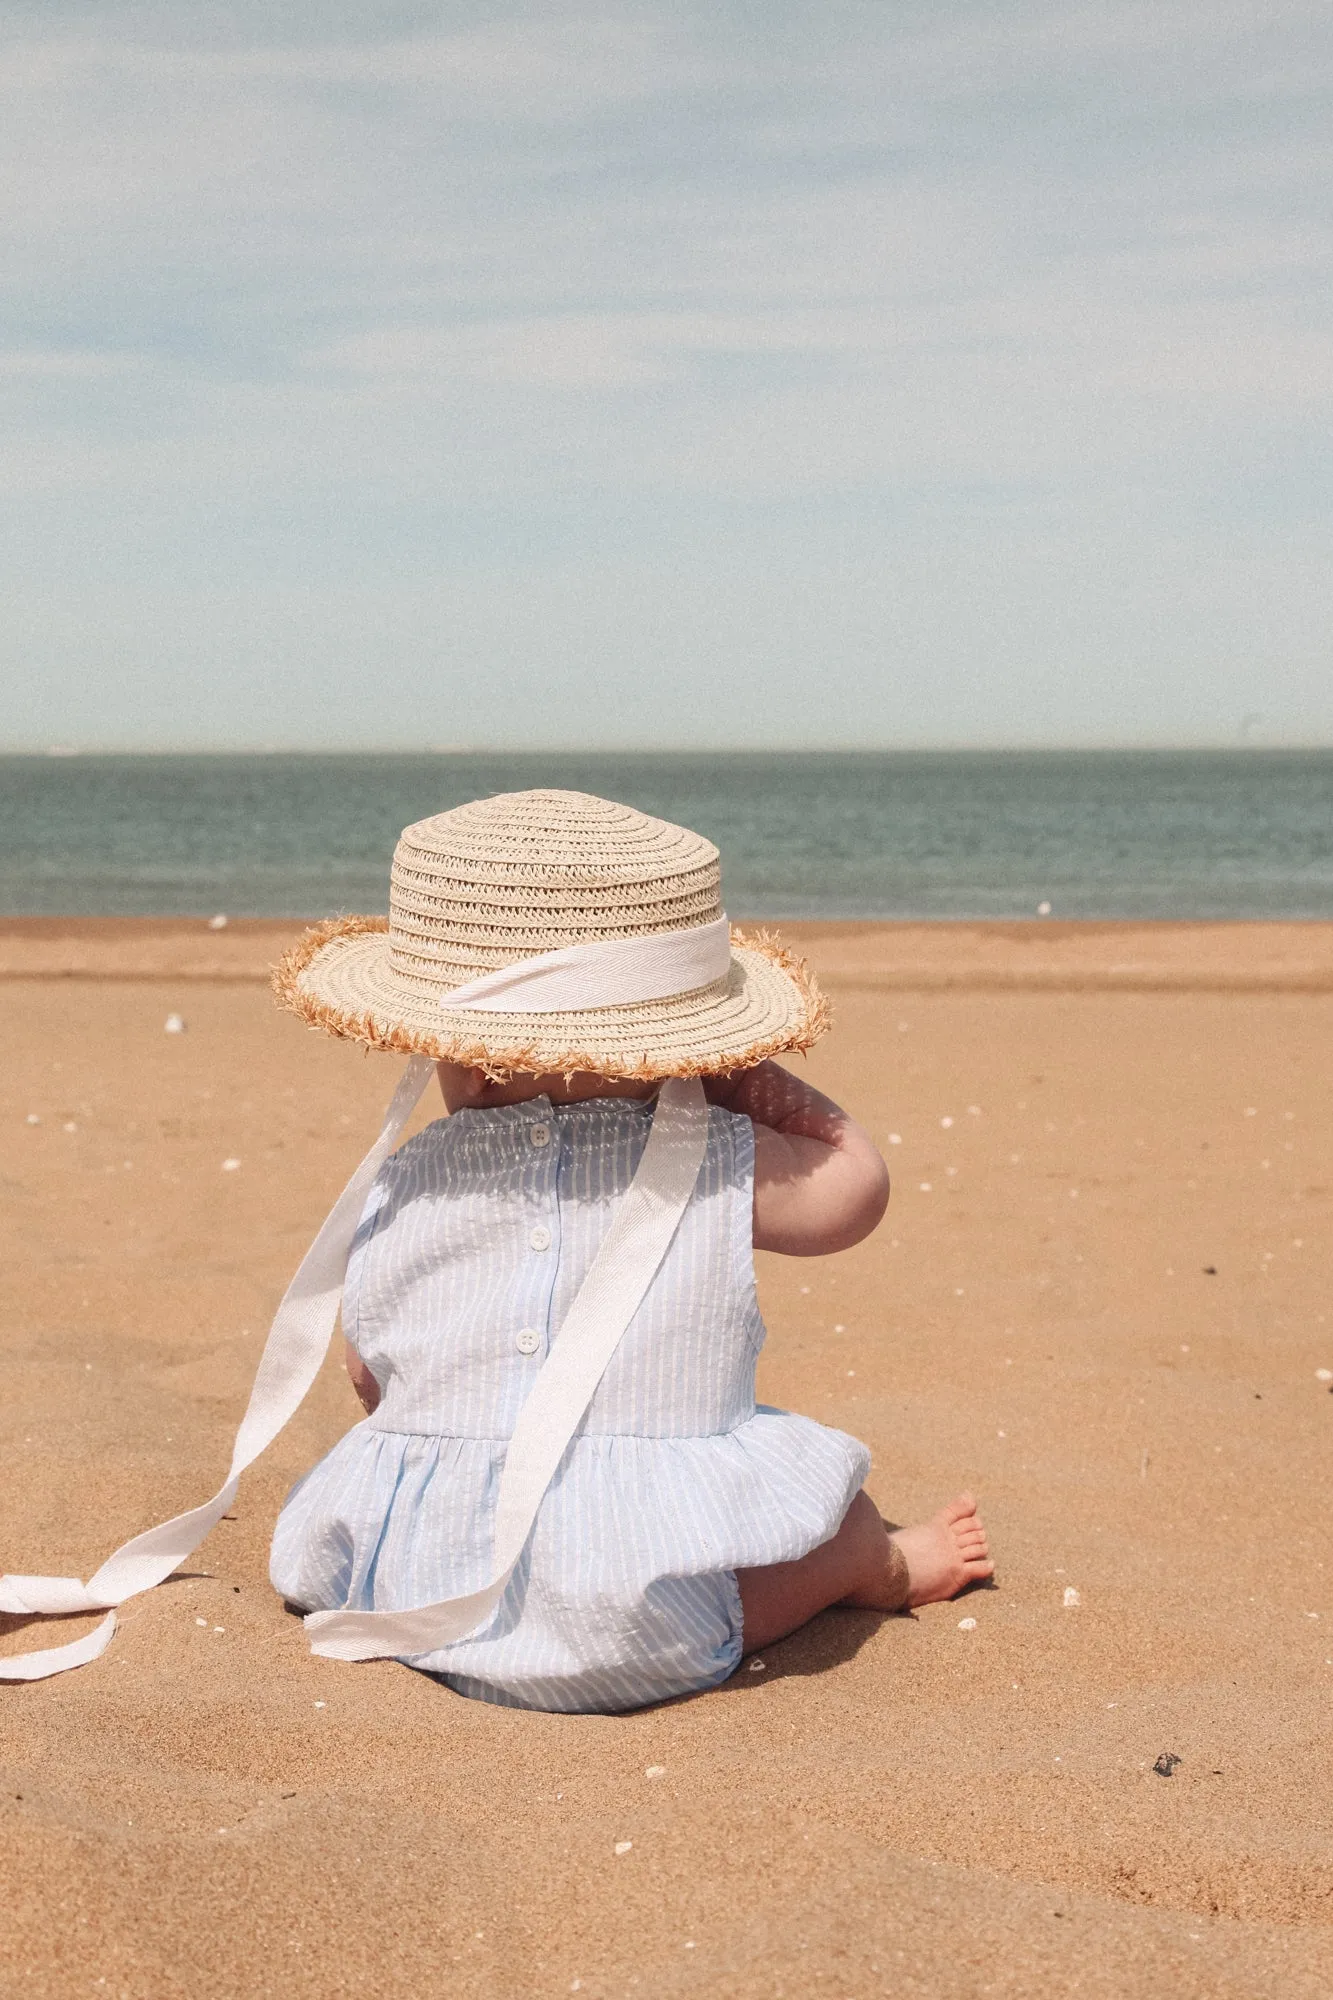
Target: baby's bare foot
[{"x": 945, "y": 1553}]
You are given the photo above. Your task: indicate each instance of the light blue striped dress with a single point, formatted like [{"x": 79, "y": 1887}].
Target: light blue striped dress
[{"x": 475, "y": 1239}]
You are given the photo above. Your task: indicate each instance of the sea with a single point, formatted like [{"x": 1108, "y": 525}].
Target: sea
[{"x": 1159, "y": 834}]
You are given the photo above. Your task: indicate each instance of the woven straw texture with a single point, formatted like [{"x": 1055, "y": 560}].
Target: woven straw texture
[{"x": 510, "y": 877}]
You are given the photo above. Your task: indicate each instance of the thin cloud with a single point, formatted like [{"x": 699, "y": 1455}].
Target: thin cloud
[{"x": 652, "y": 299}]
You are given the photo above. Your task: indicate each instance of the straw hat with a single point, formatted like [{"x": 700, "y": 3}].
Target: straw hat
[{"x": 508, "y": 879}]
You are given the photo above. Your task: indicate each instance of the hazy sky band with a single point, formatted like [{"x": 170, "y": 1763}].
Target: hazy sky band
[{"x": 675, "y": 375}]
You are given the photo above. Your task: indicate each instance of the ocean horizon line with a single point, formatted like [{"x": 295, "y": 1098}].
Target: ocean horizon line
[{"x": 1120, "y": 748}]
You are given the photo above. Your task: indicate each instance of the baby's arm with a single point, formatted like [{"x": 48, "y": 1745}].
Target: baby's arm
[
  {"x": 367, "y": 1388},
  {"x": 819, "y": 1182}
]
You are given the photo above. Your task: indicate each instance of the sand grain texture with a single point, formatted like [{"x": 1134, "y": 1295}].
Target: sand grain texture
[{"x": 1105, "y": 1309}]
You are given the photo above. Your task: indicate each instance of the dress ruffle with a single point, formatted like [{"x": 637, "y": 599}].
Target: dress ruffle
[{"x": 637, "y": 1535}]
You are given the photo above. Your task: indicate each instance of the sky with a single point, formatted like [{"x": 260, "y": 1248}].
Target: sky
[{"x": 683, "y": 375}]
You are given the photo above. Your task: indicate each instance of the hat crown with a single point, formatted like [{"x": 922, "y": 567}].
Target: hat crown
[{"x": 522, "y": 873}]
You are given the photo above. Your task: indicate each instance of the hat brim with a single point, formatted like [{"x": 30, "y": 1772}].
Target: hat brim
[{"x": 339, "y": 977}]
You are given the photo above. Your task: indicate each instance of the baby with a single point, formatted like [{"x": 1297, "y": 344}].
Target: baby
[{"x": 685, "y": 1525}]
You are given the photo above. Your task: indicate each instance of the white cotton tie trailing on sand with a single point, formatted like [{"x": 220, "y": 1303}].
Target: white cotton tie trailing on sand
[
  {"x": 612, "y": 1290},
  {"x": 297, "y": 1344}
]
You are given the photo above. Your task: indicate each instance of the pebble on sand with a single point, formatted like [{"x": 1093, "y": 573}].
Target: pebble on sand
[
  {"x": 967, "y": 1624},
  {"x": 230, "y": 1166},
  {"x": 1072, "y": 1600},
  {"x": 174, "y": 1024},
  {"x": 655, "y": 1771},
  {"x": 1323, "y": 1374},
  {"x": 623, "y": 1846},
  {"x": 218, "y": 923},
  {"x": 33, "y": 1119}
]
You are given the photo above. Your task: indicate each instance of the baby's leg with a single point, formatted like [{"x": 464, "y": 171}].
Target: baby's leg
[{"x": 866, "y": 1565}]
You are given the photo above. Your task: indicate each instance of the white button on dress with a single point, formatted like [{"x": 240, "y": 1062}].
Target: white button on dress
[
  {"x": 539, "y": 1135},
  {"x": 527, "y": 1342},
  {"x": 540, "y": 1238}
]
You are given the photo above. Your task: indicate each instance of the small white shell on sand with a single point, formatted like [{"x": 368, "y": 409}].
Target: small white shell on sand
[
  {"x": 33, "y": 1119},
  {"x": 756, "y": 1666},
  {"x": 655, "y": 1771},
  {"x": 218, "y": 923},
  {"x": 967, "y": 1624},
  {"x": 69, "y": 1126},
  {"x": 623, "y": 1846},
  {"x": 174, "y": 1024},
  {"x": 895, "y": 1138},
  {"x": 230, "y": 1166},
  {"x": 1072, "y": 1600},
  {"x": 1320, "y": 1374},
  {"x": 201, "y": 1621},
  {"x": 925, "y": 1187}
]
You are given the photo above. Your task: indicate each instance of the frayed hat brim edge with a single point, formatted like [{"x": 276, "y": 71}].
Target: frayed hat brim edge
[{"x": 812, "y": 1018}]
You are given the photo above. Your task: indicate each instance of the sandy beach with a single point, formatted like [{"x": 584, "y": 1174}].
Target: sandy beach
[{"x": 1100, "y": 1299}]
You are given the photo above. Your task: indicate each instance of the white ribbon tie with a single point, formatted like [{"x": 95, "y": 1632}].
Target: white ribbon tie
[{"x": 609, "y": 972}]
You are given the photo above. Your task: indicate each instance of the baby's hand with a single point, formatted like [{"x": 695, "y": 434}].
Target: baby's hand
[{"x": 819, "y": 1182}]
